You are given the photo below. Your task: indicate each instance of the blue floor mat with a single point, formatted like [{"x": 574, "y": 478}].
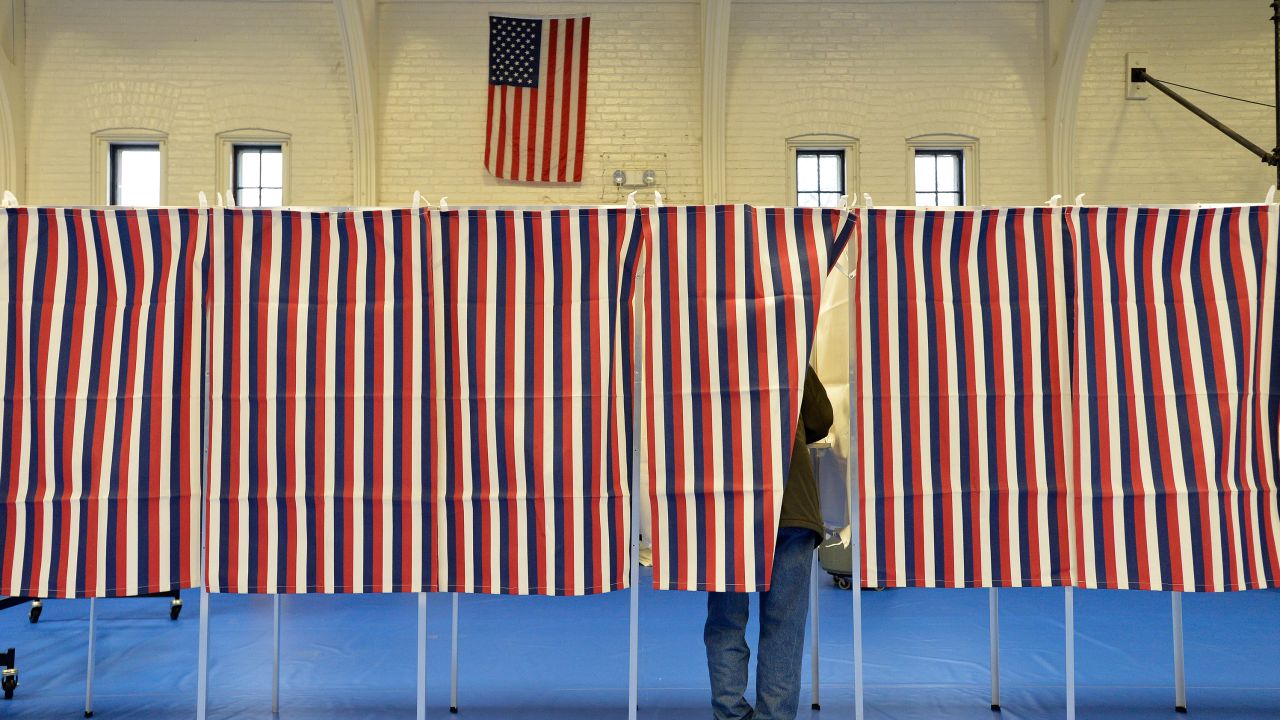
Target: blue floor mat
[{"x": 566, "y": 658}]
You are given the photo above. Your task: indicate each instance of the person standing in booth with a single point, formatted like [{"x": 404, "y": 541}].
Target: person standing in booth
[{"x": 785, "y": 606}]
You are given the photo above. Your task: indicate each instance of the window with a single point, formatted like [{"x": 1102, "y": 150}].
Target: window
[
  {"x": 128, "y": 167},
  {"x": 819, "y": 177},
  {"x": 135, "y": 175},
  {"x": 253, "y": 165},
  {"x": 939, "y": 178},
  {"x": 942, "y": 170},
  {"x": 821, "y": 168},
  {"x": 259, "y": 175}
]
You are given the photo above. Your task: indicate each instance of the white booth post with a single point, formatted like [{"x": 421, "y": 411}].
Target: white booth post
[
  {"x": 202, "y": 663},
  {"x": 633, "y": 662},
  {"x": 422, "y": 656},
  {"x": 637, "y": 497},
  {"x": 275, "y": 654},
  {"x": 1069, "y": 620},
  {"x": 202, "y": 654},
  {"x": 88, "y": 683},
  {"x": 453, "y": 655},
  {"x": 855, "y": 491},
  {"x": 1179, "y": 660},
  {"x": 994, "y": 624}
]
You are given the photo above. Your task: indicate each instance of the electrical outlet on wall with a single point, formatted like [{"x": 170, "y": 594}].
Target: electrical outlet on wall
[{"x": 1134, "y": 90}]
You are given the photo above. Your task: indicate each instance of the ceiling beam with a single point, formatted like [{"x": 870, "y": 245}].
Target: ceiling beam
[
  {"x": 13, "y": 97},
  {"x": 1069, "y": 29},
  {"x": 715, "y": 72},
  {"x": 357, "y": 23}
]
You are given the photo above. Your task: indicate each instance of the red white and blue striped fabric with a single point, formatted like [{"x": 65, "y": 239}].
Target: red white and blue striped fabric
[
  {"x": 530, "y": 454},
  {"x": 100, "y": 317},
  {"x": 730, "y": 308},
  {"x": 420, "y": 401},
  {"x": 962, "y": 345},
  {"x": 1177, "y": 412},
  {"x": 309, "y": 483}
]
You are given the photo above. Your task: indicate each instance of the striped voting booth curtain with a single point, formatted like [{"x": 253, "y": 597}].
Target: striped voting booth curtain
[
  {"x": 100, "y": 317},
  {"x": 730, "y": 306},
  {"x": 409, "y": 400},
  {"x": 1176, "y": 416},
  {"x": 310, "y": 489},
  {"x": 962, "y": 345},
  {"x": 530, "y": 451}
]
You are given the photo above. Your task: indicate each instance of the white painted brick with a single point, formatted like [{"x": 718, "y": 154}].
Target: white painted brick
[
  {"x": 877, "y": 70},
  {"x": 1152, "y": 150},
  {"x": 192, "y": 69},
  {"x": 883, "y": 72}
]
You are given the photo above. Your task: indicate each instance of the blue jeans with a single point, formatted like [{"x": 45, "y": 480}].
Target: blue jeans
[{"x": 783, "y": 611}]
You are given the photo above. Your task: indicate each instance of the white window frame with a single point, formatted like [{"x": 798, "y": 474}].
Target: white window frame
[
  {"x": 966, "y": 145},
  {"x": 104, "y": 140},
  {"x": 817, "y": 142},
  {"x": 226, "y": 149}
]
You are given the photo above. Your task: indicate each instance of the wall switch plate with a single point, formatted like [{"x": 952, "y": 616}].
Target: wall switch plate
[{"x": 1134, "y": 90}]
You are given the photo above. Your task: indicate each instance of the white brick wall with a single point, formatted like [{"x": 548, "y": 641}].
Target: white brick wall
[
  {"x": 643, "y": 107},
  {"x": 883, "y": 72},
  {"x": 1153, "y": 150},
  {"x": 192, "y": 68},
  {"x": 879, "y": 70}
]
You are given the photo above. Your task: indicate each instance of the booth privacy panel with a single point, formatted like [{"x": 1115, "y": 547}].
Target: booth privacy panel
[
  {"x": 730, "y": 304},
  {"x": 409, "y": 400},
  {"x": 1176, "y": 418},
  {"x": 533, "y": 399},
  {"x": 309, "y": 490},
  {"x": 963, "y": 355},
  {"x": 1079, "y": 396},
  {"x": 413, "y": 400},
  {"x": 100, "y": 317}
]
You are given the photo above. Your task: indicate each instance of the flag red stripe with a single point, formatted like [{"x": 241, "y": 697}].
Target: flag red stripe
[{"x": 581, "y": 100}]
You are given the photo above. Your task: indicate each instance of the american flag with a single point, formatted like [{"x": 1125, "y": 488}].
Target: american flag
[{"x": 537, "y": 98}]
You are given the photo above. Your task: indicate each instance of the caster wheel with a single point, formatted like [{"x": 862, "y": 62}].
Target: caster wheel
[
  {"x": 9, "y": 683},
  {"x": 844, "y": 583},
  {"x": 34, "y": 614},
  {"x": 175, "y": 609}
]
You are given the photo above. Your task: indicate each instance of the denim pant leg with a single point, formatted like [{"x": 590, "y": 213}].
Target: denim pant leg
[
  {"x": 727, "y": 653},
  {"x": 783, "y": 610}
]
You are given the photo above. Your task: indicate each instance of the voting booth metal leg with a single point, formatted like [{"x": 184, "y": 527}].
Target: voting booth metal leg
[
  {"x": 453, "y": 658},
  {"x": 1069, "y": 620},
  {"x": 421, "y": 656},
  {"x": 202, "y": 653},
  {"x": 855, "y": 520},
  {"x": 93, "y": 637},
  {"x": 995, "y": 647},
  {"x": 1179, "y": 660},
  {"x": 275, "y": 654},
  {"x": 633, "y": 662},
  {"x": 815, "y": 701},
  {"x": 202, "y": 667}
]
